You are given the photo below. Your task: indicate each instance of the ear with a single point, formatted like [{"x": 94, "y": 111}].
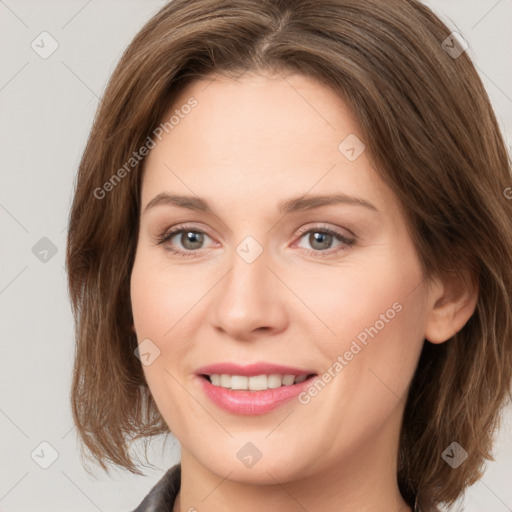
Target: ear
[{"x": 452, "y": 300}]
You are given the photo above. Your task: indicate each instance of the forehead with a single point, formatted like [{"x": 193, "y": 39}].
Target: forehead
[
  {"x": 259, "y": 135},
  {"x": 260, "y": 108}
]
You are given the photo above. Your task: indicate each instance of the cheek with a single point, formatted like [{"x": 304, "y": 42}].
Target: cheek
[
  {"x": 379, "y": 323},
  {"x": 165, "y": 303},
  {"x": 155, "y": 311},
  {"x": 152, "y": 306},
  {"x": 372, "y": 317},
  {"x": 363, "y": 297},
  {"x": 377, "y": 314},
  {"x": 163, "y": 296}
]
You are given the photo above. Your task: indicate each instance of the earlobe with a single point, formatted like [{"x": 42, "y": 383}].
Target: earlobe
[{"x": 452, "y": 301}]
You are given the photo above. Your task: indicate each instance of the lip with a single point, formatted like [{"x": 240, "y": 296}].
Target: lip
[
  {"x": 249, "y": 403},
  {"x": 251, "y": 370}
]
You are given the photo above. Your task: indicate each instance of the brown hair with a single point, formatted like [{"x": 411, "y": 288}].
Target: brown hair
[{"x": 432, "y": 135}]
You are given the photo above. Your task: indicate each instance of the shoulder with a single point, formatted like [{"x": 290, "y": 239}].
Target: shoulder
[{"x": 161, "y": 497}]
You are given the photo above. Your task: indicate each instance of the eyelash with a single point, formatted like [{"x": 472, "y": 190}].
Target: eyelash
[{"x": 169, "y": 234}]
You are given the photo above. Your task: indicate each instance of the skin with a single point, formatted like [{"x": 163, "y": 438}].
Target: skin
[{"x": 249, "y": 144}]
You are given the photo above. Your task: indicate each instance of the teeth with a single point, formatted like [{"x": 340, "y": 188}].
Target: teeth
[
  {"x": 288, "y": 380},
  {"x": 256, "y": 383},
  {"x": 225, "y": 381},
  {"x": 238, "y": 381},
  {"x": 274, "y": 381}
]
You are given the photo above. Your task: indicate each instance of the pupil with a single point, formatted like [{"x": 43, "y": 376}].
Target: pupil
[
  {"x": 192, "y": 240},
  {"x": 320, "y": 241}
]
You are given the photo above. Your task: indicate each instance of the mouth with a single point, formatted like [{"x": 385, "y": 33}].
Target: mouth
[
  {"x": 257, "y": 382},
  {"x": 253, "y": 389}
]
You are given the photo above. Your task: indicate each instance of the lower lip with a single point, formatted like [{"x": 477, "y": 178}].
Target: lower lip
[{"x": 251, "y": 403}]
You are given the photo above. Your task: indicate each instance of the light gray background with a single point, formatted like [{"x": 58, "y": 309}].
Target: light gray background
[{"x": 47, "y": 107}]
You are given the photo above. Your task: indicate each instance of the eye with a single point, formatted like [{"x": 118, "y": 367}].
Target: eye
[
  {"x": 183, "y": 241},
  {"x": 188, "y": 241},
  {"x": 323, "y": 239}
]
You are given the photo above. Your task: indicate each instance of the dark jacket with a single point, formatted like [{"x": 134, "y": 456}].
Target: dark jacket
[{"x": 161, "y": 497}]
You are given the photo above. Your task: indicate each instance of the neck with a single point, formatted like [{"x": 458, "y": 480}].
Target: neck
[{"x": 364, "y": 481}]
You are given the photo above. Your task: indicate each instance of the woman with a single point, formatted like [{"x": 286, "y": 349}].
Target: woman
[{"x": 290, "y": 246}]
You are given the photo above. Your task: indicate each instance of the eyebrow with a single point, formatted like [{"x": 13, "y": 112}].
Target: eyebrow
[
  {"x": 289, "y": 206},
  {"x": 189, "y": 202},
  {"x": 307, "y": 203}
]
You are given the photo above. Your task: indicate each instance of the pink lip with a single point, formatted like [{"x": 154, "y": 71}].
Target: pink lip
[
  {"x": 251, "y": 402},
  {"x": 251, "y": 370}
]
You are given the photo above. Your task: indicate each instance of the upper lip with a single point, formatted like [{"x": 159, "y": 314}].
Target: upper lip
[{"x": 252, "y": 370}]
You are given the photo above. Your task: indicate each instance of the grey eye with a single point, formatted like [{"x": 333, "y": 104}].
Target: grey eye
[
  {"x": 320, "y": 241},
  {"x": 191, "y": 240}
]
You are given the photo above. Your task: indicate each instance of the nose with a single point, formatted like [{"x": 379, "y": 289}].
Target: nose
[{"x": 250, "y": 301}]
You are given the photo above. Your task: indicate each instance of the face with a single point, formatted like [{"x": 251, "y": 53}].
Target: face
[{"x": 268, "y": 246}]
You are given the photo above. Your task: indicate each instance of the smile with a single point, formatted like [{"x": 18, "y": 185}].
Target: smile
[
  {"x": 255, "y": 383},
  {"x": 253, "y": 389}
]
